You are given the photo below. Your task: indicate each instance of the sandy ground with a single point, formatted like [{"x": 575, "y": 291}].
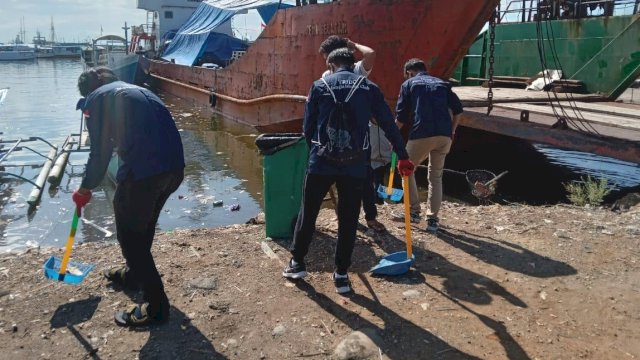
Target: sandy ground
[{"x": 498, "y": 282}]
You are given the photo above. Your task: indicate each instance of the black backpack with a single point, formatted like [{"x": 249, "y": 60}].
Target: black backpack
[{"x": 346, "y": 144}]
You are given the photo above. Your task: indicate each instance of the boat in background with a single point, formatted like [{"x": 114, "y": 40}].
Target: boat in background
[
  {"x": 266, "y": 86},
  {"x": 44, "y": 52},
  {"x": 68, "y": 50},
  {"x": 16, "y": 52},
  {"x": 113, "y": 51}
]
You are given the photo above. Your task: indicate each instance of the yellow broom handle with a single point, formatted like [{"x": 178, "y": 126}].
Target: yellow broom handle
[
  {"x": 67, "y": 251},
  {"x": 407, "y": 216}
]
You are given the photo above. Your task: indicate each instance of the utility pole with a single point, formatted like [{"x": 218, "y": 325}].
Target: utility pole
[{"x": 126, "y": 36}]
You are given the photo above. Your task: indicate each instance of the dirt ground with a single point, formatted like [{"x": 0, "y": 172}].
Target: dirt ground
[{"x": 498, "y": 282}]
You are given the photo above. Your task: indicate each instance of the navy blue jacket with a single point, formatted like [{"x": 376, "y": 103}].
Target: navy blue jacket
[
  {"x": 136, "y": 122},
  {"x": 428, "y": 99},
  {"x": 367, "y": 102}
]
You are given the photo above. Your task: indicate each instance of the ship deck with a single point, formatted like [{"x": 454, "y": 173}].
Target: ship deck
[{"x": 593, "y": 125}]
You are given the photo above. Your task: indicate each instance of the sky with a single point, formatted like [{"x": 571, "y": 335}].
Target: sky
[{"x": 74, "y": 20}]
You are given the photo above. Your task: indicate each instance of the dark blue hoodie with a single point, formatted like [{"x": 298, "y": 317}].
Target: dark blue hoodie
[{"x": 136, "y": 122}]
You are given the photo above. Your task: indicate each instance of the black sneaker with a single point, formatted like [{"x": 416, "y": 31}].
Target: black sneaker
[
  {"x": 295, "y": 270},
  {"x": 342, "y": 283},
  {"x": 432, "y": 225}
]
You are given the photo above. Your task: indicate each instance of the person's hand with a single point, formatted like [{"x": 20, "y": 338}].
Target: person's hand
[
  {"x": 81, "y": 197},
  {"x": 405, "y": 167},
  {"x": 351, "y": 45}
]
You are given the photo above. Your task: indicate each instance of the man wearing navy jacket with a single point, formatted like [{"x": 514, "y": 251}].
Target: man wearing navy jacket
[
  {"x": 365, "y": 100},
  {"x": 436, "y": 112},
  {"x": 135, "y": 122}
]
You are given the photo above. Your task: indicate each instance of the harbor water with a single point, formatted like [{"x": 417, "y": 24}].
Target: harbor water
[{"x": 222, "y": 163}]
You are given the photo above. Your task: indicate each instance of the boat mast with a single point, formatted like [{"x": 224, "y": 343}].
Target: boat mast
[
  {"x": 52, "y": 37},
  {"x": 126, "y": 37}
]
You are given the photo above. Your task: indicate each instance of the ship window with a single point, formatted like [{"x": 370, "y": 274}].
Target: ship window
[{"x": 168, "y": 14}]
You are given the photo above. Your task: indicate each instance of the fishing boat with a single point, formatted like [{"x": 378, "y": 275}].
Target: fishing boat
[
  {"x": 15, "y": 52},
  {"x": 266, "y": 85},
  {"x": 594, "y": 44},
  {"x": 43, "y": 52},
  {"x": 112, "y": 51}
]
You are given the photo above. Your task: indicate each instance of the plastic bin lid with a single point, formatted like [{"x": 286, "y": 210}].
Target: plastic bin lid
[{"x": 271, "y": 143}]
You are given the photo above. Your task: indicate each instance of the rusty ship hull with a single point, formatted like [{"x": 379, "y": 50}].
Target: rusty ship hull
[{"x": 267, "y": 87}]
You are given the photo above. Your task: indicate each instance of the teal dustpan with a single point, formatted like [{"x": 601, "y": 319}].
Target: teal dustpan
[
  {"x": 394, "y": 264},
  {"x": 398, "y": 263},
  {"x": 64, "y": 270},
  {"x": 389, "y": 192}
]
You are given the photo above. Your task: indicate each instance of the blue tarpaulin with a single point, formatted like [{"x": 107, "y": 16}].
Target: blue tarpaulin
[
  {"x": 219, "y": 47},
  {"x": 193, "y": 38}
]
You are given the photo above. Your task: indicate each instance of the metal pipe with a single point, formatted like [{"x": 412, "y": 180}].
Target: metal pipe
[
  {"x": 2, "y": 173},
  {"x": 274, "y": 97},
  {"x": 33, "y": 198},
  {"x": 4, "y": 156}
]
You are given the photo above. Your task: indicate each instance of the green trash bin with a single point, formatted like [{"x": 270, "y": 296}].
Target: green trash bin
[{"x": 284, "y": 168}]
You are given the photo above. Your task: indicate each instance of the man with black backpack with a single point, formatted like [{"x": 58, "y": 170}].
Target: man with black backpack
[{"x": 336, "y": 128}]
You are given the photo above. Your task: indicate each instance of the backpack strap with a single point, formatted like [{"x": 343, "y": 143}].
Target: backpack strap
[
  {"x": 329, "y": 88},
  {"x": 354, "y": 88},
  {"x": 351, "y": 92}
]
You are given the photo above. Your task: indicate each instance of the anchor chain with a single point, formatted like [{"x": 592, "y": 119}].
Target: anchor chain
[{"x": 492, "y": 47}]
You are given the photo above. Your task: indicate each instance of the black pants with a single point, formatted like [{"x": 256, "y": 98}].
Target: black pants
[
  {"x": 370, "y": 193},
  {"x": 137, "y": 206},
  {"x": 349, "y": 198}
]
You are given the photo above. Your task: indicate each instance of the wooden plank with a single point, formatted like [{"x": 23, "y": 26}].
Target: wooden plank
[
  {"x": 604, "y": 108},
  {"x": 596, "y": 118},
  {"x": 514, "y": 78},
  {"x": 477, "y": 96}
]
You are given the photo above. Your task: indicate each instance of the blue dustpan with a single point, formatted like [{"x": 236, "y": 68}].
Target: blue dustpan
[
  {"x": 76, "y": 272},
  {"x": 396, "y": 194},
  {"x": 400, "y": 262},
  {"x": 389, "y": 192},
  {"x": 394, "y": 264},
  {"x": 65, "y": 270}
]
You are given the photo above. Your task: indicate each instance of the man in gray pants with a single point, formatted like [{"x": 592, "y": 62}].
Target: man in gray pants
[{"x": 436, "y": 112}]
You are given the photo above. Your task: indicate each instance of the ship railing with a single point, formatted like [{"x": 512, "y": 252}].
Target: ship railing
[{"x": 530, "y": 10}]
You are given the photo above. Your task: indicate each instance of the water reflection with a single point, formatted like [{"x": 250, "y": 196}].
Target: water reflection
[
  {"x": 222, "y": 163},
  {"x": 619, "y": 174}
]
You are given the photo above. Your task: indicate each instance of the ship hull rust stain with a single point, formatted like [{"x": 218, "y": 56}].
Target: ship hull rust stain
[{"x": 285, "y": 59}]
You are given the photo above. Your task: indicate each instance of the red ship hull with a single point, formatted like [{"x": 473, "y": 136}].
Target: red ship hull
[{"x": 267, "y": 87}]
